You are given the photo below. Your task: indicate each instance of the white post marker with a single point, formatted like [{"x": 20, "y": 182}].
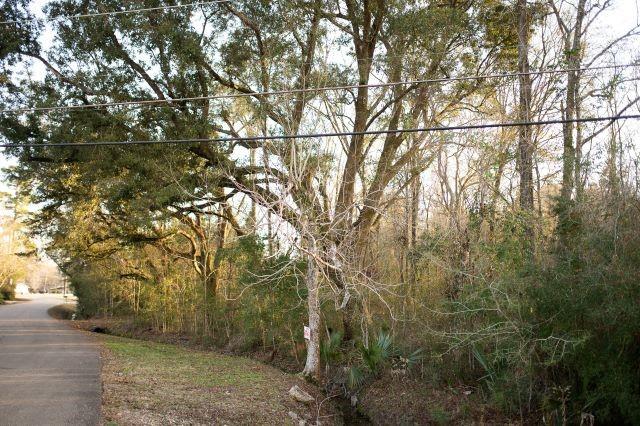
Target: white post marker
[{"x": 307, "y": 333}]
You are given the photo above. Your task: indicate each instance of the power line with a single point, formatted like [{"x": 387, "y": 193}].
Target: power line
[
  {"x": 122, "y": 12},
  {"x": 322, "y": 135},
  {"x": 168, "y": 102}
]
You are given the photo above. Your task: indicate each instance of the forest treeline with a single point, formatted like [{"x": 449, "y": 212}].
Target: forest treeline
[{"x": 506, "y": 259}]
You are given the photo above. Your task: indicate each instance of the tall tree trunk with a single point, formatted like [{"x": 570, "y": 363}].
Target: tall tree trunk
[
  {"x": 568, "y": 149},
  {"x": 312, "y": 364},
  {"x": 366, "y": 25},
  {"x": 354, "y": 158},
  {"x": 214, "y": 273},
  {"x": 571, "y": 171},
  {"x": 413, "y": 234},
  {"x": 253, "y": 217},
  {"x": 578, "y": 166},
  {"x": 525, "y": 144}
]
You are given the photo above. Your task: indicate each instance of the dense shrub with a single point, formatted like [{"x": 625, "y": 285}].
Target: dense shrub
[
  {"x": 590, "y": 295},
  {"x": 560, "y": 336},
  {"x": 7, "y": 293}
]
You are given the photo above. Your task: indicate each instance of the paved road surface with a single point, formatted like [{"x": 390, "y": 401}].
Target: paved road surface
[{"x": 49, "y": 373}]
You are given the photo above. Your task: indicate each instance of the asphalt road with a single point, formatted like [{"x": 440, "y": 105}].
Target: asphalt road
[{"x": 49, "y": 372}]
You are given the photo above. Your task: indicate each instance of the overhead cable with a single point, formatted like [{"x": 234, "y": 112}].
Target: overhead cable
[
  {"x": 170, "y": 101},
  {"x": 122, "y": 12},
  {"x": 320, "y": 135}
]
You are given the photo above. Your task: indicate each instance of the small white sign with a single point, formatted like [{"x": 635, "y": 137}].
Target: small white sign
[{"x": 307, "y": 333}]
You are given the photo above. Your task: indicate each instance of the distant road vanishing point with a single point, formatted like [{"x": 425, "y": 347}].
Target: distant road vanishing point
[{"x": 49, "y": 372}]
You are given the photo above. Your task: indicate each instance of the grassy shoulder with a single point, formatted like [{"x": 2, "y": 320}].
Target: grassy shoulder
[{"x": 153, "y": 383}]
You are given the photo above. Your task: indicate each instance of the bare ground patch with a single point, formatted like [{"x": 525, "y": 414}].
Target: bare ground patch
[{"x": 406, "y": 401}]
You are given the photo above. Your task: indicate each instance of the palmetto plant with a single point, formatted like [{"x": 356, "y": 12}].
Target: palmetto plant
[
  {"x": 490, "y": 377},
  {"x": 376, "y": 356},
  {"x": 355, "y": 377},
  {"x": 373, "y": 358},
  {"x": 378, "y": 353},
  {"x": 330, "y": 348}
]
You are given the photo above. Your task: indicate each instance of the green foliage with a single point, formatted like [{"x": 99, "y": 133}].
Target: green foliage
[
  {"x": 439, "y": 415},
  {"x": 272, "y": 306},
  {"x": 490, "y": 376},
  {"x": 17, "y": 37},
  {"x": 590, "y": 296},
  {"x": 371, "y": 361},
  {"x": 567, "y": 322},
  {"x": 356, "y": 377},
  {"x": 7, "y": 293},
  {"x": 88, "y": 293},
  {"x": 330, "y": 348},
  {"x": 378, "y": 353}
]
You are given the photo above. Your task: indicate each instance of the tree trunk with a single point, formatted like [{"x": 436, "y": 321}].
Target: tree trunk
[
  {"x": 312, "y": 364},
  {"x": 366, "y": 25},
  {"x": 416, "y": 184},
  {"x": 525, "y": 145},
  {"x": 570, "y": 169},
  {"x": 213, "y": 277}
]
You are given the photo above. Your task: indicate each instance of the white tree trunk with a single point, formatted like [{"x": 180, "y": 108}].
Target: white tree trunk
[{"x": 312, "y": 365}]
